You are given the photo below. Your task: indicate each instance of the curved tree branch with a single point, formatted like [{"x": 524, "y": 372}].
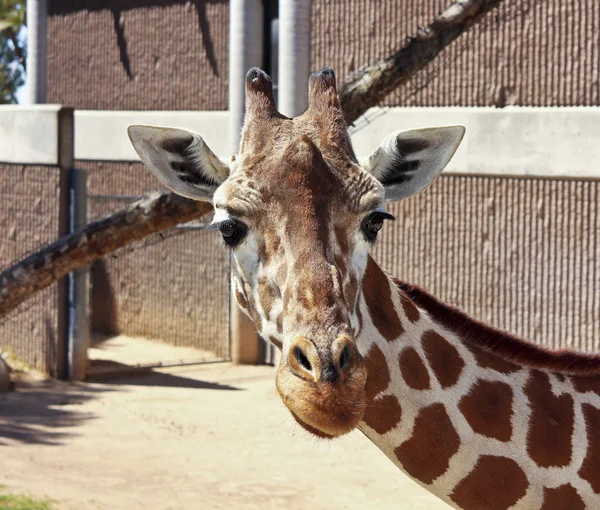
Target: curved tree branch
[
  {"x": 369, "y": 85},
  {"x": 151, "y": 214}
]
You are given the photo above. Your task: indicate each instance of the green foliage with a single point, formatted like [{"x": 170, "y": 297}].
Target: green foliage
[
  {"x": 12, "y": 50},
  {"x": 12, "y": 14}
]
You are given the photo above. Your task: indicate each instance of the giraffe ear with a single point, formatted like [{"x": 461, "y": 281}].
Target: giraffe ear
[
  {"x": 407, "y": 162},
  {"x": 180, "y": 159}
]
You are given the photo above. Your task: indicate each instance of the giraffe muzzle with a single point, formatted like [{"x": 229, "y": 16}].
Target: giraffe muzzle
[{"x": 323, "y": 385}]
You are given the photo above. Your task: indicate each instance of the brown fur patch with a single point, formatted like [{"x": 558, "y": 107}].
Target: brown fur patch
[
  {"x": 489, "y": 360},
  {"x": 443, "y": 358},
  {"x": 351, "y": 291},
  {"x": 564, "y": 497},
  {"x": 426, "y": 455},
  {"x": 268, "y": 295},
  {"x": 413, "y": 369},
  {"x": 495, "y": 483},
  {"x": 585, "y": 384},
  {"x": 240, "y": 298},
  {"x": 383, "y": 414},
  {"x": 378, "y": 373},
  {"x": 279, "y": 322},
  {"x": 507, "y": 347},
  {"x": 550, "y": 435},
  {"x": 590, "y": 470},
  {"x": 341, "y": 236},
  {"x": 410, "y": 310},
  {"x": 378, "y": 295},
  {"x": 488, "y": 408},
  {"x": 275, "y": 342}
]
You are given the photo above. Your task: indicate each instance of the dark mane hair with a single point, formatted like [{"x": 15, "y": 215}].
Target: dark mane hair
[{"x": 500, "y": 343}]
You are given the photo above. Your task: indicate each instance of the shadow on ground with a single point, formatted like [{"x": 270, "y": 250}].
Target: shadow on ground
[
  {"x": 44, "y": 412},
  {"x": 119, "y": 374}
]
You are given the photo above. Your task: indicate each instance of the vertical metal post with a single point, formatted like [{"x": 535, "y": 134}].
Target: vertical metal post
[
  {"x": 78, "y": 311},
  {"x": 245, "y": 51},
  {"x": 37, "y": 51},
  {"x": 294, "y": 56},
  {"x": 73, "y": 326},
  {"x": 66, "y": 140}
]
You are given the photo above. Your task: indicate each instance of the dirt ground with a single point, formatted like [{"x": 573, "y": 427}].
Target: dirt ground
[{"x": 200, "y": 437}]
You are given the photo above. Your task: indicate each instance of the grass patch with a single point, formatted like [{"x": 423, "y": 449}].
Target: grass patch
[{"x": 23, "y": 502}]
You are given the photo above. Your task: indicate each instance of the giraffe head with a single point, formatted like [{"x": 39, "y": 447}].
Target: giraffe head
[{"x": 300, "y": 213}]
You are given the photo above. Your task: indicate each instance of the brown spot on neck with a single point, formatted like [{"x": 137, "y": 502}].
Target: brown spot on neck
[
  {"x": 585, "y": 384},
  {"x": 550, "y": 435},
  {"x": 410, "y": 309},
  {"x": 383, "y": 414},
  {"x": 564, "y": 497},
  {"x": 590, "y": 469},
  {"x": 488, "y": 408},
  {"x": 495, "y": 483},
  {"x": 426, "y": 455},
  {"x": 489, "y": 360},
  {"x": 378, "y": 373},
  {"x": 443, "y": 357},
  {"x": 414, "y": 371},
  {"x": 378, "y": 296}
]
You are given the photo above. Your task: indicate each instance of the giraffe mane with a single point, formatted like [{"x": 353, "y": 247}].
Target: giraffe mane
[{"x": 508, "y": 347}]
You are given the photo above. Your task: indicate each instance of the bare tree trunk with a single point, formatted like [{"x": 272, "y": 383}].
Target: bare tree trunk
[
  {"x": 151, "y": 214},
  {"x": 362, "y": 90},
  {"x": 369, "y": 85}
]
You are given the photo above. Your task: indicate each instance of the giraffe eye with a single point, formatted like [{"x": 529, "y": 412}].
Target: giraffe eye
[
  {"x": 373, "y": 223},
  {"x": 233, "y": 232}
]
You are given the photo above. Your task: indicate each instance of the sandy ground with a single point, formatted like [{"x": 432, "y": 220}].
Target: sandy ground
[
  {"x": 203, "y": 437},
  {"x": 131, "y": 351}
]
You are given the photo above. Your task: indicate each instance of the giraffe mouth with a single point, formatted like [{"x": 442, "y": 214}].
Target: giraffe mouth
[{"x": 324, "y": 409}]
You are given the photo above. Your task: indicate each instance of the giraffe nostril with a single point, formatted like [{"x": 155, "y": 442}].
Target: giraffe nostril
[
  {"x": 345, "y": 358},
  {"x": 302, "y": 359}
]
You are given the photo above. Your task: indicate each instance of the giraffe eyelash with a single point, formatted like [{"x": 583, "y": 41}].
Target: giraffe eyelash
[{"x": 232, "y": 230}]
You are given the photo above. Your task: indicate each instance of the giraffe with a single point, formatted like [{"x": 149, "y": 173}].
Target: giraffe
[{"x": 483, "y": 420}]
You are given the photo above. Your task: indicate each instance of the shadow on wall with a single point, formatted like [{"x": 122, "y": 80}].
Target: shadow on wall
[
  {"x": 118, "y": 7},
  {"x": 105, "y": 318}
]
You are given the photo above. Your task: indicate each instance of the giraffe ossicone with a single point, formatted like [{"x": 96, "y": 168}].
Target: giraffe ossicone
[{"x": 483, "y": 420}]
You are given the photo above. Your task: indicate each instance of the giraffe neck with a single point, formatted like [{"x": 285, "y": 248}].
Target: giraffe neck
[{"x": 478, "y": 429}]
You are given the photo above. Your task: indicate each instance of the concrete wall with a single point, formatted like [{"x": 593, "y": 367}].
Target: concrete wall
[
  {"x": 172, "y": 54},
  {"x": 29, "y": 219},
  {"x": 172, "y": 287}
]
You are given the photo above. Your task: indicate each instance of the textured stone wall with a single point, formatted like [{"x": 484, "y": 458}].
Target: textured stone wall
[
  {"x": 171, "y": 287},
  {"x": 526, "y": 52},
  {"x": 138, "y": 54},
  {"x": 520, "y": 254},
  {"x": 173, "y": 54},
  {"x": 29, "y": 198}
]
